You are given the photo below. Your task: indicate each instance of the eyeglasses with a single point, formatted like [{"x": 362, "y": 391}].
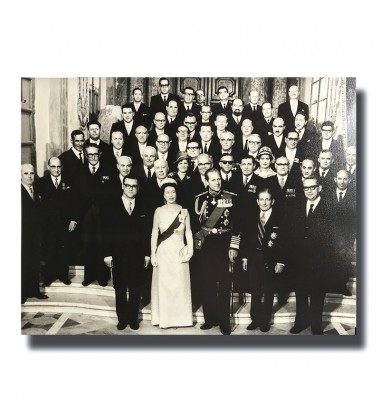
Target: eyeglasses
[
  {"x": 78, "y": 141},
  {"x": 226, "y": 139},
  {"x": 227, "y": 162},
  {"x": 55, "y": 167},
  {"x": 254, "y": 142},
  {"x": 327, "y": 130},
  {"x": 311, "y": 188},
  {"x": 162, "y": 143},
  {"x": 190, "y": 122},
  {"x": 161, "y": 121},
  {"x": 182, "y": 131},
  {"x": 205, "y": 112},
  {"x": 282, "y": 164},
  {"x": 130, "y": 187},
  {"x": 189, "y": 93},
  {"x": 293, "y": 138},
  {"x": 164, "y": 85},
  {"x": 92, "y": 155},
  {"x": 204, "y": 164},
  {"x": 193, "y": 148}
]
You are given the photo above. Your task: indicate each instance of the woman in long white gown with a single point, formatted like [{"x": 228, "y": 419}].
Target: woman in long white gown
[{"x": 171, "y": 290}]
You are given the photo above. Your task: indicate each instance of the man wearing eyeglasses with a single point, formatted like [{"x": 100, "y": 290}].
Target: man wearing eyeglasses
[
  {"x": 159, "y": 123},
  {"x": 95, "y": 194},
  {"x": 226, "y": 164},
  {"x": 293, "y": 153},
  {"x": 188, "y": 106},
  {"x": 190, "y": 122},
  {"x": 254, "y": 144},
  {"x": 310, "y": 230},
  {"x": 193, "y": 150},
  {"x": 227, "y": 140},
  {"x": 60, "y": 215},
  {"x": 127, "y": 250},
  {"x": 328, "y": 142},
  {"x": 94, "y": 128},
  {"x": 164, "y": 150},
  {"x": 159, "y": 102}
]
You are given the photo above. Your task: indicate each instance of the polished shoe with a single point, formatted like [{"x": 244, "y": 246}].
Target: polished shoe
[
  {"x": 103, "y": 283},
  {"x": 317, "y": 331},
  {"x": 297, "y": 329},
  {"x": 122, "y": 325},
  {"x": 225, "y": 331},
  {"x": 265, "y": 328},
  {"x": 86, "y": 282},
  {"x": 134, "y": 325},
  {"x": 66, "y": 281},
  {"x": 145, "y": 302},
  {"x": 46, "y": 284},
  {"x": 23, "y": 300},
  {"x": 207, "y": 326},
  {"x": 253, "y": 325},
  {"x": 41, "y": 296},
  {"x": 346, "y": 292}
]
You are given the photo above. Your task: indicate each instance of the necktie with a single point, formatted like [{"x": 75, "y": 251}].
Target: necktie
[
  {"x": 246, "y": 181},
  {"x": 254, "y": 109},
  {"x": 149, "y": 174},
  {"x": 246, "y": 145},
  {"x": 165, "y": 98},
  {"x": 130, "y": 208},
  {"x": 323, "y": 174},
  {"x": 188, "y": 108},
  {"x": 81, "y": 157},
  {"x": 204, "y": 182},
  {"x": 282, "y": 183},
  {"x": 227, "y": 176},
  {"x": 93, "y": 170},
  {"x": 56, "y": 183},
  {"x": 261, "y": 229},
  {"x": 192, "y": 163},
  {"x": 237, "y": 120},
  {"x": 31, "y": 192},
  {"x": 171, "y": 120},
  {"x": 224, "y": 106},
  {"x": 340, "y": 196},
  {"x": 350, "y": 169},
  {"x": 310, "y": 210},
  {"x": 205, "y": 149}
]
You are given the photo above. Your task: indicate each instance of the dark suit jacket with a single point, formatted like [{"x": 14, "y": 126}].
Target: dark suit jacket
[
  {"x": 277, "y": 151},
  {"x": 213, "y": 148},
  {"x": 249, "y": 192},
  {"x": 264, "y": 129},
  {"x": 218, "y": 109},
  {"x": 327, "y": 182},
  {"x": 234, "y": 127},
  {"x": 72, "y": 168},
  {"x": 120, "y": 126},
  {"x": 336, "y": 148},
  {"x": 285, "y": 112},
  {"x": 104, "y": 148},
  {"x": 158, "y": 105},
  {"x": 139, "y": 172},
  {"x": 252, "y": 115},
  {"x": 195, "y": 109},
  {"x": 143, "y": 116},
  {"x": 171, "y": 128},
  {"x": 127, "y": 240},
  {"x": 305, "y": 144}
]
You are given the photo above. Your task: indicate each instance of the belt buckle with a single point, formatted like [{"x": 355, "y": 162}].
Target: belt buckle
[{"x": 214, "y": 230}]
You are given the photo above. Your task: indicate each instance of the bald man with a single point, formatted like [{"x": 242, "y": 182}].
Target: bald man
[
  {"x": 252, "y": 110},
  {"x": 30, "y": 236},
  {"x": 60, "y": 214}
]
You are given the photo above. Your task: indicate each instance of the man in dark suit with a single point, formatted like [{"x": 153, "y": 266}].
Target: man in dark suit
[
  {"x": 198, "y": 182},
  {"x": 73, "y": 160},
  {"x": 173, "y": 119},
  {"x": 165, "y": 151},
  {"x": 227, "y": 140},
  {"x": 241, "y": 146},
  {"x": 190, "y": 122},
  {"x": 227, "y": 172},
  {"x": 305, "y": 136},
  {"x": 223, "y": 106},
  {"x": 213, "y": 215},
  {"x": 205, "y": 115},
  {"x": 324, "y": 172},
  {"x": 116, "y": 150},
  {"x": 293, "y": 153},
  {"x": 276, "y": 143},
  {"x": 252, "y": 110},
  {"x": 127, "y": 125},
  {"x": 342, "y": 201},
  {"x": 124, "y": 168},
  {"x": 263, "y": 125},
  {"x": 188, "y": 106},
  {"x": 95, "y": 192},
  {"x": 263, "y": 254},
  {"x": 30, "y": 236},
  {"x": 235, "y": 120},
  {"x": 127, "y": 250},
  {"x": 145, "y": 171},
  {"x": 158, "y": 103},
  {"x": 327, "y": 142},
  {"x": 138, "y": 144},
  {"x": 288, "y": 110},
  {"x": 60, "y": 215},
  {"x": 310, "y": 233},
  {"x": 142, "y": 112},
  {"x": 94, "y": 127},
  {"x": 350, "y": 165},
  {"x": 254, "y": 144},
  {"x": 159, "y": 123}
]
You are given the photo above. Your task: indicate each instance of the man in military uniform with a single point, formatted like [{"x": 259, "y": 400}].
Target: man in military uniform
[{"x": 213, "y": 216}]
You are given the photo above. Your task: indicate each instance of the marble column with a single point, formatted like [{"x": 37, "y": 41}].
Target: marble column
[
  {"x": 278, "y": 93},
  {"x": 261, "y": 85}
]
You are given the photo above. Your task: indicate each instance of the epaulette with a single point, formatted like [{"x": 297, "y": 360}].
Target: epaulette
[
  {"x": 201, "y": 194},
  {"x": 230, "y": 192}
]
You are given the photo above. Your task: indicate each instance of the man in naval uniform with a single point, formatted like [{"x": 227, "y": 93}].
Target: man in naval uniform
[{"x": 213, "y": 215}]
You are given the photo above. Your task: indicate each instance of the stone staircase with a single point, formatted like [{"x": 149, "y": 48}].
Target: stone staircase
[{"x": 100, "y": 301}]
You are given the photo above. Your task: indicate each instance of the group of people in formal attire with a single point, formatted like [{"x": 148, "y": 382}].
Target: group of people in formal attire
[{"x": 188, "y": 201}]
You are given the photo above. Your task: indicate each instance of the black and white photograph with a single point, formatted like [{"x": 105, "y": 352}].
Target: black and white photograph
[{"x": 188, "y": 206}]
